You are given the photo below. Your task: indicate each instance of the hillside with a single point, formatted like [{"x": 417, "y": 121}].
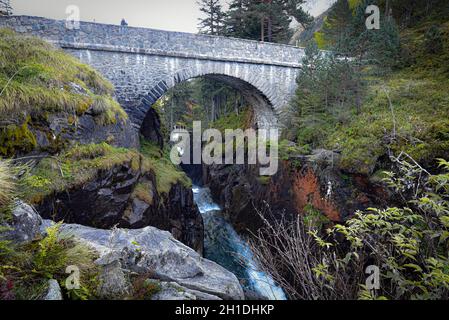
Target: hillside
[{"x": 403, "y": 110}]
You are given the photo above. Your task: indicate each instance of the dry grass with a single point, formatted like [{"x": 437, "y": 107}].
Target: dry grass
[
  {"x": 37, "y": 77},
  {"x": 7, "y": 183}
]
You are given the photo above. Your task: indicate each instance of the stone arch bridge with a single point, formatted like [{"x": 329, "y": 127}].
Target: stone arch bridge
[{"x": 144, "y": 63}]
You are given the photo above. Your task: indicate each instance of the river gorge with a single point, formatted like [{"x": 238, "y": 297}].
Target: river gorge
[{"x": 223, "y": 245}]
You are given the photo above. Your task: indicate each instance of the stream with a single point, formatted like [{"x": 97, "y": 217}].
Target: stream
[{"x": 223, "y": 245}]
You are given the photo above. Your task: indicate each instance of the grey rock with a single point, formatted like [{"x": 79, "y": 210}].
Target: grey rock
[
  {"x": 173, "y": 291},
  {"x": 53, "y": 291},
  {"x": 114, "y": 282},
  {"x": 323, "y": 156},
  {"x": 156, "y": 252},
  {"x": 24, "y": 225}
]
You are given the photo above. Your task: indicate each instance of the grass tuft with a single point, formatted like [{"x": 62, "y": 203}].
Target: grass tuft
[{"x": 37, "y": 77}]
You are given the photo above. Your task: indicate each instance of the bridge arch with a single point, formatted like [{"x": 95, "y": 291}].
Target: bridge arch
[{"x": 253, "y": 89}]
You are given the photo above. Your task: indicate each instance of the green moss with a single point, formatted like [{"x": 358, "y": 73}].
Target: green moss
[
  {"x": 16, "y": 138},
  {"x": 313, "y": 218},
  {"x": 74, "y": 168},
  {"x": 143, "y": 192},
  {"x": 154, "y": 160},
  {"x": 37, "y": 77}
]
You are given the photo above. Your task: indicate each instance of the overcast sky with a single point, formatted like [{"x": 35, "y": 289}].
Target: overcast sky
[{"x": 174, "y": 15}]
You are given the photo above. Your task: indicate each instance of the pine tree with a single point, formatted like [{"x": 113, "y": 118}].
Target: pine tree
[
  {"x": 212, "y": 23},
  {"x": 336, "y": 24},
  {"x": 264, "y": 20}
]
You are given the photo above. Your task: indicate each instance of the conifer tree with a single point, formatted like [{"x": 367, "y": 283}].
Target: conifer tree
[
  {"x": 264, "y": 20},
  {"x": 212, "y": 23}
]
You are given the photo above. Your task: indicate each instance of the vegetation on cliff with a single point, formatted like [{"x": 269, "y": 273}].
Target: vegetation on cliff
[
  {"x": 158, "y": 161},
  {"x": 367, "y": 111},
  {"x": 37, "y": 81},
  {"x": 407, "y": 244},
  {"x": 393, "y": 115}
]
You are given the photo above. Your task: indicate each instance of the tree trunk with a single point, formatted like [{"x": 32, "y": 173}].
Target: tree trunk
[
  {"x": 270, "y": 29},
  {"x": 212, "y": 115}
]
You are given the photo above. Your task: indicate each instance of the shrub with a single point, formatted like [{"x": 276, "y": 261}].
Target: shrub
[
  {"x": 433, "y": 40},
  {"x": 408, "y": 244},
  {"x": 26, "y": 269}
]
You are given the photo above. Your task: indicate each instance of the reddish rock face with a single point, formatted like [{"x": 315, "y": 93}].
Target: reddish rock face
[
  {"x": 307, "y": 191},
  {"x": 239, "y": 190}
]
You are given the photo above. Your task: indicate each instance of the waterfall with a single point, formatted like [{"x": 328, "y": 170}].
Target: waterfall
[{"x": 223, "y": 245}]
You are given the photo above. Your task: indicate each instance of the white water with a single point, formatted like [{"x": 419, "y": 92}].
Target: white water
[{"x": 224, "y": 246}]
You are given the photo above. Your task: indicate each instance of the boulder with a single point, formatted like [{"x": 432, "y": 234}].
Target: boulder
[
  {"x": 152, "y": 251},
  {"x": 173, "y": 291},
  {"x": 114, "y": 282},
  {"x": 53, "y": 291},
  {"x": 24, "y": 225}
]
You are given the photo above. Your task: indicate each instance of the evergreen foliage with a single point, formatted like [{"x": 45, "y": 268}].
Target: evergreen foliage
[
  {"x": 264, "y": 20},
  {"x": 212, "y": 23}
]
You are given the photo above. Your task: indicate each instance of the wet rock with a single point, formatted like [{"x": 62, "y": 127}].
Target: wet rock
[
  {"x": 24, "y": 225},
  {"x": 53, "y": 291},
  {"x": 173, "y": 291},
  {"x": 99, "y": 203},
  {"x": 152, "y": 251},
  {"x": 151, "y": 128}
]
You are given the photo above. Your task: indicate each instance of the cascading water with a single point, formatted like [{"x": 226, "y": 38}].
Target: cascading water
[{"x": 223, "y": 245}]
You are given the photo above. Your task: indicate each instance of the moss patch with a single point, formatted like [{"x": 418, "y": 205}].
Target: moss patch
[
  {"x": 16, "y": 138},
  {"x": 143, "y": 191},
  {"x": 167, "y": 174},
  {"x": 74, "y": 168},
  {"x": 37, "y": 77}
]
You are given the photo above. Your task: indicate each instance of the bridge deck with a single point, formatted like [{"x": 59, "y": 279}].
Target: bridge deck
[{"x": 96, "y": 36}]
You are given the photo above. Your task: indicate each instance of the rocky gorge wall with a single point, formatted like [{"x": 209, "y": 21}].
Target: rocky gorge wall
[
  {"x": 108, "y": 198},
  {"x": 301, "y": 185}
]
